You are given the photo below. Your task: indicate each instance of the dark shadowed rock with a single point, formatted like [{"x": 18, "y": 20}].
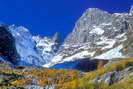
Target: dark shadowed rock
[
  {"x": 85, "y": 65},
  {"x": 7, "y": 46},
  {"x": 56, "y": 37}
]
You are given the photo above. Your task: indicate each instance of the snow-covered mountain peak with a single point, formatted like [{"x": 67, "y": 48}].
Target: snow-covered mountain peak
[
  {"x": 26, "y": 46},
  {"x": 20, "y": 31},
  {"x": 95, "y": 10},
  {"x": 33, "y": 50},
  {"x": 47, "y": 47},
  {"x": 97, "y": 34},
  {"x": 44, "y": 42}
]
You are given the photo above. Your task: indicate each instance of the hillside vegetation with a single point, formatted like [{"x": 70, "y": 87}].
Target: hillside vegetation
[{"x": 38, "y": 78}]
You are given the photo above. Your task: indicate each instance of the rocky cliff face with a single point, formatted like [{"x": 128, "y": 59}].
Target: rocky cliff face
[
  {"x": 98, "y": 34},
  {"x": 26, "y": 46},
  {"x": 98, "y": 30},
  {"x": 32, "y": 50},
  {"x": 8, "y": 50},
  {"x": 47, "y": 47}
]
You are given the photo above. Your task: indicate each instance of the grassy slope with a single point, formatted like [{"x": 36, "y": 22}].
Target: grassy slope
[{"x": 62, "y": 79}]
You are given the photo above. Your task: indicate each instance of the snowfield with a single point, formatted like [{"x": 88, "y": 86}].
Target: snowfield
[{"x": 113, "y": 53}]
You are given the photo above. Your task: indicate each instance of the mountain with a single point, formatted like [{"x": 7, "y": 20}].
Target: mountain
[
  {"x": 33, "y": 50},
  {"x": 98, "y": 34},
  {"x": 47, "y": 47},
  {"x": 8, "y": 50}
]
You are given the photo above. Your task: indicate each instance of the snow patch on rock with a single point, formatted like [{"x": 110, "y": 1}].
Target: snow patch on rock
[
  {"x": 97, "y": 30},
  {"x": 58, "y": 58},
  {"x": 113, "y": 53}
]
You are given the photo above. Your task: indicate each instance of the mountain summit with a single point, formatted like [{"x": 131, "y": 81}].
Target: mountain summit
[
  {"x": 33, "y": 50},
  {"x": 98, "y": 34}
]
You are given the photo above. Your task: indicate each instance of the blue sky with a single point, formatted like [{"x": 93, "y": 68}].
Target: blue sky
[{"x": 46, "y": 17}]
